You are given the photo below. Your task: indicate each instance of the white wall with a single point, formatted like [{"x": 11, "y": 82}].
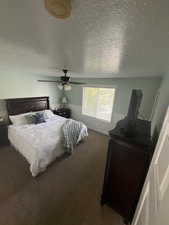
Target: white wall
[{"x": 21, "y": 85}]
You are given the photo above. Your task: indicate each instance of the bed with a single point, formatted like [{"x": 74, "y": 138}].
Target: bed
[{"x": 39, "y": 143}]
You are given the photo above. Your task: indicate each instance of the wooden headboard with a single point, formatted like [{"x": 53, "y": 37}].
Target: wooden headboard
[{"x": 22, "y": 105}]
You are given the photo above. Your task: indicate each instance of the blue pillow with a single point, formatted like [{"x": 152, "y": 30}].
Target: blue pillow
[{"x": 39, "y": 118}]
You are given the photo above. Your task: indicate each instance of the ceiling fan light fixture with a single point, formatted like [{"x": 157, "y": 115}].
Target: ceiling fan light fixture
[
  {"x": 60, "y": 86},
  {"x": 59, "y": 8},
  {"x": 67, "y": 87}
]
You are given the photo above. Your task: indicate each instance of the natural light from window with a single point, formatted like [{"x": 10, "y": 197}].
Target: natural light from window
[{"x": 98, "y": 102}]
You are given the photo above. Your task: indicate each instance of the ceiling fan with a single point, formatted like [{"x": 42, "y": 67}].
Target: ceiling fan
[{"x": 64, "y": 83}]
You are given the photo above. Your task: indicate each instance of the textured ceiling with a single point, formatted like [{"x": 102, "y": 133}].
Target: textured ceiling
[{"x": 102, "y": 38}]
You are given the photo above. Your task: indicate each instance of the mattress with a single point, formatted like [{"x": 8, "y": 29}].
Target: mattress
[{"x": 39, "y": 144}]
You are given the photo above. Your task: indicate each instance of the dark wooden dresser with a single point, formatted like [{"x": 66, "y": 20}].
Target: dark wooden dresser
[{"x": 126, "y": 168}]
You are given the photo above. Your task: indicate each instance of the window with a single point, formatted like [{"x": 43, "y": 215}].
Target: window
[{"x": 98, "y": 102}]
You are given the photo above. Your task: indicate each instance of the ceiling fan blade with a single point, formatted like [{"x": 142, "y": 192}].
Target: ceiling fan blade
[
  {"x": 77, "y": 83},
  {"x": 49, "y": 81},
  {"x": 59, "y": 69}
]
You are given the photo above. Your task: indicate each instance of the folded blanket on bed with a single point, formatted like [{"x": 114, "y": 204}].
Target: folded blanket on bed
[{"x": 73, "y": 132}]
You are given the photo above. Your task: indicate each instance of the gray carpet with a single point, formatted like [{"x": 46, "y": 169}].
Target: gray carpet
[{"x": 68, "y": 193}]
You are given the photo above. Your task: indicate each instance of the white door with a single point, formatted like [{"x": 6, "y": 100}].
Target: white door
[{"x": 153, "y": 206}]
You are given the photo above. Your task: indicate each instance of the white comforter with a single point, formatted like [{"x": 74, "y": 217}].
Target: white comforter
[{"x": 39, "y": 144}]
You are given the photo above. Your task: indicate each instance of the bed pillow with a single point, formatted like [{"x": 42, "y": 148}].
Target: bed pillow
[
  {"x": 48, "y": 114},
  {"x": 30, "y": 118},
  {"x": 19, "y": 119},
  {"x": 39, "y": 118}
]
